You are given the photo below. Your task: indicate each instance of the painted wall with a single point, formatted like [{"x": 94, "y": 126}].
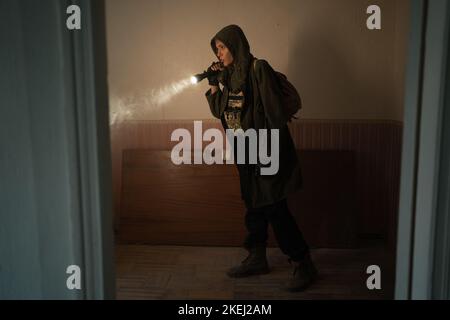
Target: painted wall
[{"x": 341, "y": 69}]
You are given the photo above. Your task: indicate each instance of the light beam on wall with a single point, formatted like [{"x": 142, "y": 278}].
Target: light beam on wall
[{"x": 125, "y": 107}]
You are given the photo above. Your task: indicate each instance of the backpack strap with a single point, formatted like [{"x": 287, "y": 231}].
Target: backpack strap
[
  {"x": 254, "y": 77},
  {"x": 257, "y": 89}
]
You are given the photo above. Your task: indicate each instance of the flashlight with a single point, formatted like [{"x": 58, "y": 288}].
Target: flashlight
[{"x": 205, "y": 74}]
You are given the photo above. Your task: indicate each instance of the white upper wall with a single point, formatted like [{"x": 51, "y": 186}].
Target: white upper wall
[{"x": 341, "y": 69}]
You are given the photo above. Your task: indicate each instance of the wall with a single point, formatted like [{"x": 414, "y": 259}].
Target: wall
[
  {"x": 149, "y": 206},
  {"x": 350, "y": 78},
  {"x": 342, "y": 69}
]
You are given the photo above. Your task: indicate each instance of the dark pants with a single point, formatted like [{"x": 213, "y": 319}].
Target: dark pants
[{"x": 287, "y": 233}]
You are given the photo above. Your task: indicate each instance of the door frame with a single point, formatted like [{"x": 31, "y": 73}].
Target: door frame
[
  {"x": 422, "y": 243},
  {"x": 92, "y": 121}
]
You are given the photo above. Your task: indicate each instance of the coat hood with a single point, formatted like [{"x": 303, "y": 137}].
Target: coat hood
[{"x": 235, "y": 75}]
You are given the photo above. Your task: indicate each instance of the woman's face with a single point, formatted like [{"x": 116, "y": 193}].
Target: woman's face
[{"x": 223, "y": 53}]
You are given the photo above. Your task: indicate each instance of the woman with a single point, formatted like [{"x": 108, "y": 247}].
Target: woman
[{"x": 251, "y": 98}]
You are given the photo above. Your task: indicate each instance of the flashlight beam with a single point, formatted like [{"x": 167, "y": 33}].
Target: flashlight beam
[{"x": 126, "y": 107}]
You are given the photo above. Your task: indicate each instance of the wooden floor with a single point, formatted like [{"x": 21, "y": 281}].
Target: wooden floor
[{"x": 183, "y": 273}]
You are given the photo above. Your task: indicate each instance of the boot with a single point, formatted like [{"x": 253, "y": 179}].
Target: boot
[
  {"x": 305, "y": 273},
  {"x": 255, "y": 263}
]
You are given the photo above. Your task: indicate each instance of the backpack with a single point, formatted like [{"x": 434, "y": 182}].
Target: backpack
[{"x": 292, "y": 102}]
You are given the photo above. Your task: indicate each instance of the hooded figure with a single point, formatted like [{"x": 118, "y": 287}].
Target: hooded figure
[
  {"x": 261, "y": 109},
  {"x": 252, "y": 98},
  {"x": 236, "y": 75}
]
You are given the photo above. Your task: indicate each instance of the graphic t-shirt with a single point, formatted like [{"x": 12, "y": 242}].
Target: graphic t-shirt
[{"x": 233, "y": 110}]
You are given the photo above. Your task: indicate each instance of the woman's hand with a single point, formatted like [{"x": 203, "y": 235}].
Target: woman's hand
[
  {"x": 217, "y": 66},
  {"x": 212, "y": 79}
]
